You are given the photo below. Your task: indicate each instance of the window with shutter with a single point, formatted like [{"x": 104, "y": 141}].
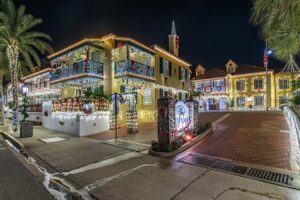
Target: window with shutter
[
  {"x": 186, "y": 73},
  {"x": 179, "y": 73},
  {"x": 161, "y": 65},
  {"x": 122, "y": 89},
  {"x": 170, "y": 69},
  {"x": 161, "y": 93}
]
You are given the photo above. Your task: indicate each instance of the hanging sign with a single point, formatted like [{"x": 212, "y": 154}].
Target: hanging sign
[{"x": 182, "y": 116}]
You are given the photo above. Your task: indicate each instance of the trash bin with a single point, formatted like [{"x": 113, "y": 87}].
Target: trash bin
[{"x": 26, "y": 129}]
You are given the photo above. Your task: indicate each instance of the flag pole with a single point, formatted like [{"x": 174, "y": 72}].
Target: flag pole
[{"x": 266, "y": 63}]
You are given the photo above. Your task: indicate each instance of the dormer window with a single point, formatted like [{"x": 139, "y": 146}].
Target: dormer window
[{"x": 231, "y": 67}]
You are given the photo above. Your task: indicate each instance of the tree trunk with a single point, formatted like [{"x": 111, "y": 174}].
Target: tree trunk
[
  {"x": 1, "y": 102},
  {"x": 13, "y": 55}
]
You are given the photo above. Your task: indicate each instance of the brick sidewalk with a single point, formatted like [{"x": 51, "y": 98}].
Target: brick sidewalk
[
  {"x": 260, "y": 138},
  {"x": 147, "y": 133}
]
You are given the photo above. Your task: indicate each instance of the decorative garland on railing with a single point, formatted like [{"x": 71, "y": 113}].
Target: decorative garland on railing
[{"x": 76, "y": 104}]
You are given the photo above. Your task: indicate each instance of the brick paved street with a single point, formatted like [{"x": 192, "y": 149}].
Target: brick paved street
[{"x": 254, "y": 137}]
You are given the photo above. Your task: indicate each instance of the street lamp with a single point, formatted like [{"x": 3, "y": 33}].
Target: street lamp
[{"x": 25, "y": 90}]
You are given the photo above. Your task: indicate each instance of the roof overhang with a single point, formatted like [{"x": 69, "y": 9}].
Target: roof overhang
[
  {"x": 168, "y": 54},
  {"x": 76, "y": 77},
  {"x": 100, "y": 39},
  {"x": 43, "y": 71},
  {"x": 130, "y": 40},
  {"x": 73, "y": 46}
]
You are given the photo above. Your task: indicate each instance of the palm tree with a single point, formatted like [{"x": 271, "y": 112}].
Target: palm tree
[
  {"x": 279, "y": 23},
  {"x": 3, "y": 72},
  {"x": 20, "y": 43}
]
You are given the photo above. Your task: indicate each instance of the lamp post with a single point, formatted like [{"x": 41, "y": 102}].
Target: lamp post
[
  {"x": 25, "y": 90},
  {"x": 266, "y": 63}
]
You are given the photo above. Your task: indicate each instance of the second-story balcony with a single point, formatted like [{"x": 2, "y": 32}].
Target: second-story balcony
[
  {"x": 80, "y": 68},
  {"x": 132, "y": 68}
]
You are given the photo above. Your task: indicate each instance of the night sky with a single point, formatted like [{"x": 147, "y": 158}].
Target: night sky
[{"x": 211, "y": 31}]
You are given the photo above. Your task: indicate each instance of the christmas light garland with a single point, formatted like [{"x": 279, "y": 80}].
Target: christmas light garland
[{"x": 13, "y": 55}]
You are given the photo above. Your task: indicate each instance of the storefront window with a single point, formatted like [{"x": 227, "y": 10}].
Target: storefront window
[
  {"x": 240, "y": 101},
  {"x": 259, "y": 101},
  {"x": 147, "y": 96},
  {"x": 283, "y": 100}
]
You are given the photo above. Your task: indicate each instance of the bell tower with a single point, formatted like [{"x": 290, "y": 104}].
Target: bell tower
[{"x": 173, "y": 41}]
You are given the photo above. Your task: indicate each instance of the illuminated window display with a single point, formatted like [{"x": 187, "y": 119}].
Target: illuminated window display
[{"x": 147, "y": 96}]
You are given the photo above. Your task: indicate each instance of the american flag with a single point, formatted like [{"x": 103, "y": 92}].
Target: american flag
[{"x": 266, "y": 59}]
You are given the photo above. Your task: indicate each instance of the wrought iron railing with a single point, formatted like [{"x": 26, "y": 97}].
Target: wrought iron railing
[
  {"x": 132, "y": 67},
  {"x": 90, "y": 67}
]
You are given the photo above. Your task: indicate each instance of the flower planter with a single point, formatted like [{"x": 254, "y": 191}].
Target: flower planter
[
  {"x": 182, "y": 148},
  {"x": 26, "y": 129}
]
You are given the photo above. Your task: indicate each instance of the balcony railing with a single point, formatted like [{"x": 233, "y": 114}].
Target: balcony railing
[
  {"x": 132, "y": 67},
  {"x": 89, "y": 67}
]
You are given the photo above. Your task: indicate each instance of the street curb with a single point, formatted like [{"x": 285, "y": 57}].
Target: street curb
[
  {"x": 13, "y": 140},
  {"x": 180, "y": 149}
]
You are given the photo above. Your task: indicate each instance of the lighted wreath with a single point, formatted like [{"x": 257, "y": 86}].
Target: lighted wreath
[
  {"x": 61, "y": 122},
  {"x": 219, "y": 88},
  {"x": 46, "y": 113},
  {"x": 209, "y": 89}
]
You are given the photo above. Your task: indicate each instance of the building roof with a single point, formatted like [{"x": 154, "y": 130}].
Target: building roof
[
  {"x": 247, "y": 69},
  {"x": 214, "y": 73},
  {"x": 172, "y": 56},
  {"x": 240, "y": 69},
  {"x": 104, "y": 38}
]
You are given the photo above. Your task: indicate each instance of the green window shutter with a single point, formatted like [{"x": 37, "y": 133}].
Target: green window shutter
[
  {"x": 161, "y": 66},
  {"x": 170, "y": 69},
  {"x": 161, "y": 93},
  {"x": 180, "y": 96},
  {"x": 179, "y": 73},
  {"x": 186, "y": 73},
  {"x": 122, "y": 89}
]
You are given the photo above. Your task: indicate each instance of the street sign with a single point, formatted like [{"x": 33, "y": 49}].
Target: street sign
[{"x": 116, "y": 103}]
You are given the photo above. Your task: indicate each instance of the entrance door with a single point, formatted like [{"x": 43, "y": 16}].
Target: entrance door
[
  {"x": 212, "y": 104},
  {"x": 223, "y": 103}
]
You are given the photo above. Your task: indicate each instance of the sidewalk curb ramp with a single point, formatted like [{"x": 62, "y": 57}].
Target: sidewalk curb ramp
[{"x": 13, "y": 140}]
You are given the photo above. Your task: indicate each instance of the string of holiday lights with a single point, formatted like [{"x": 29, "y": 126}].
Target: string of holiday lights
[
  {"x": 132, "y": 120},
  {"x": 13, "y": 55}
]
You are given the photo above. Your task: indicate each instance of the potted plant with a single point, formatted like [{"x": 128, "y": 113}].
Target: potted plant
[{"x": 26, "y": 126}]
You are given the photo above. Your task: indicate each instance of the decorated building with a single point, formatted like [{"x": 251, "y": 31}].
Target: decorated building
[
  {"x": 242, "y": 87},
  {"x": 38, "y": 90},
  {"x": 114, "y": 64}
]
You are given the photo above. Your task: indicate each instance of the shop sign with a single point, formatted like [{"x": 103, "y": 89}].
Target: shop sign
[
  {"x": 182, "y": 116},
  {"x": 190, "y": 105},
  {"x": 116, "y": 103}
]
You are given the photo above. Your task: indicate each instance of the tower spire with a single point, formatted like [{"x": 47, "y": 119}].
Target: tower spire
[{"x": 173, "y": 28}]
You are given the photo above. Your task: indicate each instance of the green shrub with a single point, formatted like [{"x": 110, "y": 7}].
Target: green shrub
[{"x": 296, "y": 99}]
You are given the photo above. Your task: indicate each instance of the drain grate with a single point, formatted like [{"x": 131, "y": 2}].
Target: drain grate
[
  {"x": 226, "y": 166},
  {"x": 270, "y": 176}
]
